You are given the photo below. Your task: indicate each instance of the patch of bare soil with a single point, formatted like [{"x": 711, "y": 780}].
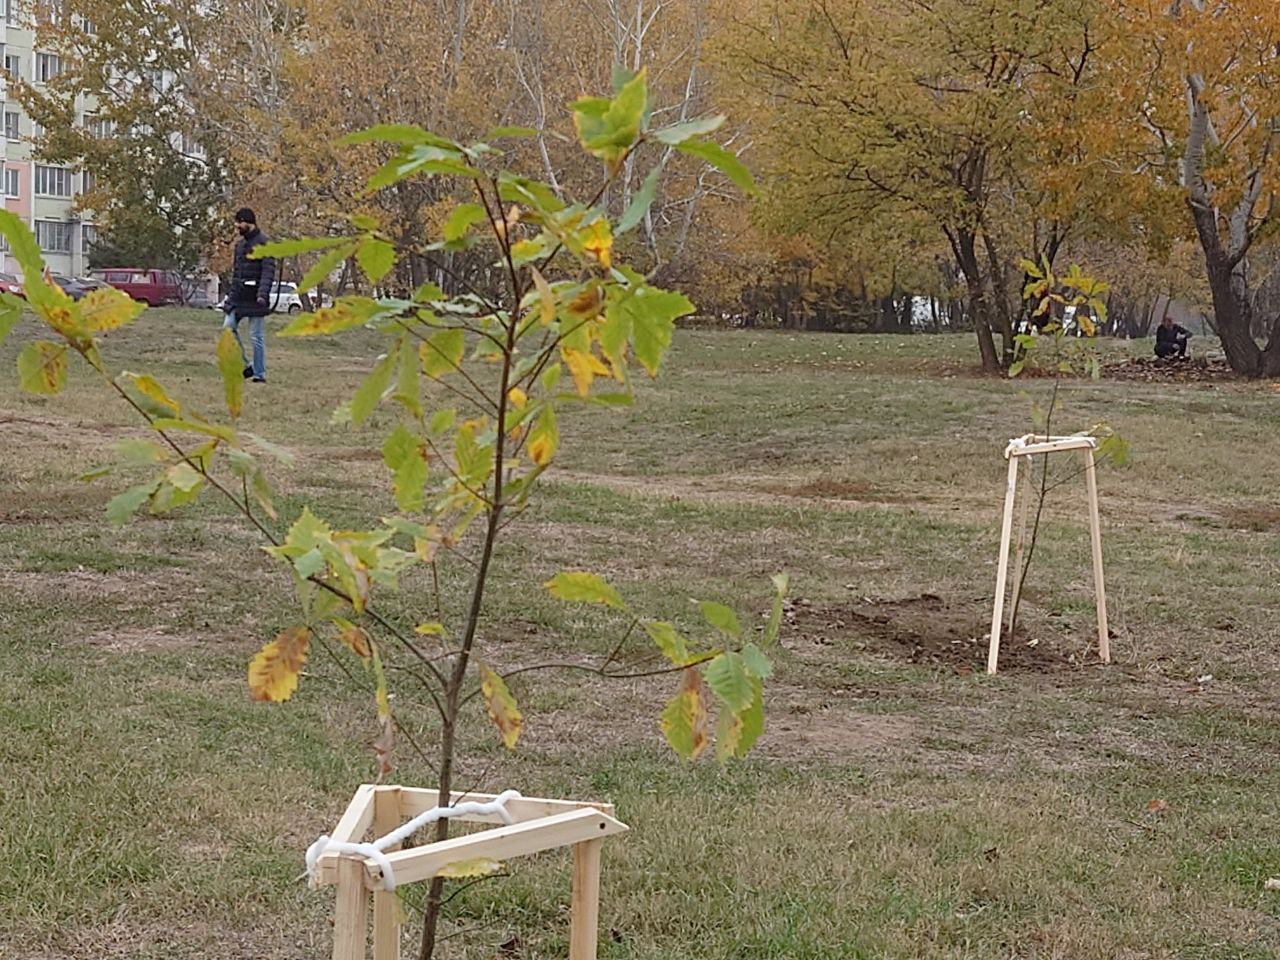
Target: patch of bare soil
[
  {"x": 1258, "y": 517},
  {"x": 1151, "y": 370},
  {"x": 744, "y": 489},
  {"x": 926, "y": 630},
  {"x": 136, "y": 641},
  {"x": 829, "y": 488}
]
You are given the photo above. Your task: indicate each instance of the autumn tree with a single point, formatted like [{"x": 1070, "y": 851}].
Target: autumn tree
[
  {"x": 973, "y": 118},
  {"x": 1201, "y": 79}
]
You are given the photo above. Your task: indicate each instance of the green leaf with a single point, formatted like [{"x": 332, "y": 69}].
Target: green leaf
[
  {"x": 441, "y": 421},
  {"x": 406, "y": 457},
  {"x": 728, "y": 677},
  {"x": 461, "y": 219},
  {"x": 608, "y": 128},
  {"x": 327, "y": 263},
  {"x": 757, "y": 662},
  {"x": 1016, "y": 368},
  {"x": 678, "y": 133},
  {"x": 10, "y": 314},
  {"x": 652, "y": 313},
  {"x": 672, "y": 645},
  {"x": 722, "y": 618},
  {"x": 370, "y": 393},
  {"x": 294, "y": 248},
  {"x": 399, "y": 133},
  {"x": 42, "y": 367},
  {"x": 533, "y": 194},
  {"x": 124, "y": 505},
  {"x": 442, "y": 353},
  {"x": 23, "y": 247},
  {"x": 348, "y": 312},
  {"x": 640, "y": 203},
  {"x": 231, "y": 366},
  {"x": 684, "y": 719},
  {"x": 781, "y": 583},
  {"x": 408, "y": 388},
  {"x": 376, "y": 258},
  {"x": 737, "y": 733},
  {"x": 581, "y": 587},
  {"x": 544, "y": 438},
  {"x": 720, "y": 158}
]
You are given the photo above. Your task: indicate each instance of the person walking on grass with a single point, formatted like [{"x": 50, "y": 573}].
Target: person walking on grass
[{"x": 250, "y": 296}]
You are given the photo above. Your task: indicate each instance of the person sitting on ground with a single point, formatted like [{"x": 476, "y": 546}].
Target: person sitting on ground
[{"x": 1171, "y": 339}]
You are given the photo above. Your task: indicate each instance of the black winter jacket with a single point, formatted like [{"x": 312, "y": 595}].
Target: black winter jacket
[{"x": 252, "y": 280}]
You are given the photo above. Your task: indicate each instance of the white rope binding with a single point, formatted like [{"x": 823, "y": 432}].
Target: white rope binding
[{"x": 375, "y": 851}]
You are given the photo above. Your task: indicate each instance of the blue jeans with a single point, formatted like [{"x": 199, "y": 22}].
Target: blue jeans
[{"x": 257, "y": 333}]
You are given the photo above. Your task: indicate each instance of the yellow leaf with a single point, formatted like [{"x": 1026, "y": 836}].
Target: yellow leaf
[
  {"x": 502, "y": 706},
  {"x": 546, "y": 298},
  {"x": 149, "y": 387},
  {"x": 108, "y": 308},
  {"x": 430, "y": 629},
  {"x": 273, "y": 673},
  {"x": 544, "y": 438},
  {"x": 597, "y": 240},
  {"x": 464, "y": 869},
  {"x": 584, "y": 367},
  {"x": 354, "y": 638},
  {"x": 518, "y": 398}
]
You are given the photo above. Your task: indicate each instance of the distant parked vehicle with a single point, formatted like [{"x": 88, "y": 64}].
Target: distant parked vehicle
[
  {"x": 200, "y": 300},
  {"x": 11, "y": 284},
  {"x": 71, "y": 287},
  {"x": 286, "y": 299},
  {"x": 153, "y": 287},
  {"x": 91, "y": 284}
]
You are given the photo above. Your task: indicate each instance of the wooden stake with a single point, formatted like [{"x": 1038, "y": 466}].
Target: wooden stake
[
  {"x": 586, "y": 900},
  {"x": 386, "y": 906},
  {"x": 1002, "y": 571},
  {"x": 351, "y": 912},
  {"x": 1022, "y": 540},
  {"x": 1095, "y": 534}
]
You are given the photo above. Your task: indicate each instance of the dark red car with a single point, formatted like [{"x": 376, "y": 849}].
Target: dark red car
[
  {"x": 11, "y": 284},
  {"x": 153, "y": 287}
]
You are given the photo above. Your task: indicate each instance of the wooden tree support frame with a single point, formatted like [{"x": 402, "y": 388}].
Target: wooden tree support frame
[
  {"x": 1033, "y": 446},
  {"x": 537, "y": 825}
]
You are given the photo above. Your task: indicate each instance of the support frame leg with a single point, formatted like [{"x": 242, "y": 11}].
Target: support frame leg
[
  {"x": 1095, "y": 537},
  {"x": 1002, "y": 568}
]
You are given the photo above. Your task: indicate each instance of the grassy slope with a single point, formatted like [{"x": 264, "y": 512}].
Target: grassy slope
[{"x": 895, "y": 809}]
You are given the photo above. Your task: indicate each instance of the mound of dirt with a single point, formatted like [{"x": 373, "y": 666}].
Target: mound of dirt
[
  {"x": 923, "y": 630},
  {"x": 1191, "y": 370}
]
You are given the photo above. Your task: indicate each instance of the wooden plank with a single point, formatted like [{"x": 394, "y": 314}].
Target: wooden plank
[
  {"x": 1002, "y": 569},
  {"x": 1058, "y": 445},
  {"x": 584, "y": 931},
  {"x": 1095, "y": 536},
  {"x": 415, "y": 801},
  {"x": 500, "y": 843},
  {"x": 386, "y": 906},
  {"x": 355, "y": 823},
  {"x": 351, "y": 912},
  {"x": 1023, "y": 510}
]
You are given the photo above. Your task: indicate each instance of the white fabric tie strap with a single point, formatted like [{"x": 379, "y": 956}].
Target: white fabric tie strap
[{"x": 376, "y": 851}]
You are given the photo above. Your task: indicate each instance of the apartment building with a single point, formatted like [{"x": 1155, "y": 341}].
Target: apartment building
[{"x": 44, "y": 195}]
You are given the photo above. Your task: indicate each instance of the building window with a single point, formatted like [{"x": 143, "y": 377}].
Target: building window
[
  {"x": 90, "y": 181},
  {"x": 13, "y": 66},
  {"x": 53, "y": 181},
  {"x": 89, "y": 27},
  {"x": 49, "y": 12},
  {"x": 89, "y": 237},
  {"x": 99, "y": 127},
  {"x": 10, "y": 10},
  {"x": 37, "y": 130},
  {"x": 54, "y": 236},
  {"x": 11, "y": 129},
  {"x": 48, "y": 66},
  {"x": 11, "y": 184}
]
